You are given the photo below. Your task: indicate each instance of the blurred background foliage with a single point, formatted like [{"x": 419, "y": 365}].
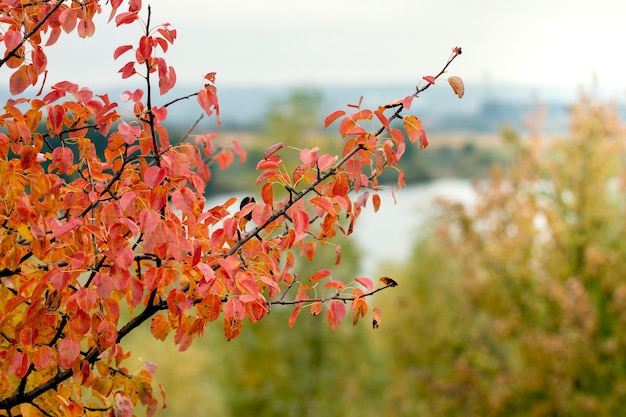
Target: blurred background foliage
[{"x": 514, "y": 306}]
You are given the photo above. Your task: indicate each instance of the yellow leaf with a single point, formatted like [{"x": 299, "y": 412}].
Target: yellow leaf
[{"x": 24, "y": 230}]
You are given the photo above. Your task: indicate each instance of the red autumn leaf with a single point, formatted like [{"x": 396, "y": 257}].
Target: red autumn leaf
[
  {"x": 210, "y": 77},
  {"x": 429, "y": 79},
  {"x": 179, "y": 201},
  {"x": 68, "y": 349},
  {"x": 359, "y": 305},
  {"x": 123, "y": 405},
  {"x": 12, "y": 39},
  {"x": 128, "y": 70},
  {"x": 167, "y": 80},
  {"x": 19, "y": 364},
  {"x": 309, "y": 156},
  {"x": 86, "y": 28},
  {"x": 149, "y": 219},
  {"x": 274, "y": 288},
  {"x": 366, "y": 282},
  {"x": 19, "y": 80},
  {"x": 126, "y": 18},
  {"x": 144, "y": 51},
  {"x": 332, "y": 117},
  {"x": 383, "y": 119},
  {"x": 120, "y": 50},
  {"x": 267, "y": 194},
  {"x": 272, "y": 150},
  {"x": 60, "y": 229},
  {"x": 335, "y": 313},
  {"x": 248, "y": 284},
  {"x": 56, "y": 114},
  {"x": 53, "y": 96},
  {"x": 68, "y": 18},
  {"x": 300, "y": 221},
  {"x": 322, "y": 273},
  {"x": 407, "y": 102},
  {"x": 55, "y": 33},
  {"x": 294, "y": 315},
  {"x": 341, "y": 185},
  {"x": 154, "y": 176},
  {"x": 423, "y": 139},
  {"x": 177, "y": 302},
  {"x": 207, "y": 98},
  {"x": 39, "y": 60},
  {"x": 86, "y": 299},
  {"x": 106, "y": 334},
  {"x": 326, "y": 161},
  {"x": 261, "y": 213},
  {"x": 62, "y": 160}
]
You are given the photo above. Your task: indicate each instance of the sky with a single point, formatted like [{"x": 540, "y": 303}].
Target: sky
[{"x": 563, "y": 43}]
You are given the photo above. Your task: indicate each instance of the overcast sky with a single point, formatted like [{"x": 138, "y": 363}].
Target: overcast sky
[{"x": 536, "y": 42}]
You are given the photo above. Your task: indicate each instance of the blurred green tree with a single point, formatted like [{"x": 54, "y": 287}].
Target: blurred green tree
[{"x": 520, "y": 306}]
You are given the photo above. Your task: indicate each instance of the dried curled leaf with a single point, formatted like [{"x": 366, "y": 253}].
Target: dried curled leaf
[
  {"x": 457, "y": 85},
  {"x": 388, "y": 282}
]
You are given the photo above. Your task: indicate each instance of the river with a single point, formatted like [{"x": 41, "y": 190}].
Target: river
[{"x": 389, "y": 234}]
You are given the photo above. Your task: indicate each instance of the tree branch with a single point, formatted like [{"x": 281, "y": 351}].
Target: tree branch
[{"x": 13, "y": 52}]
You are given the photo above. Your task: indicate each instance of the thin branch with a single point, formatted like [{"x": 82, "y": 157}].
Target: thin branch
[
  {"x": 334, "y": 297},
  {"x": 13, "y": 52},
  {"x": 179, "y": 99}
]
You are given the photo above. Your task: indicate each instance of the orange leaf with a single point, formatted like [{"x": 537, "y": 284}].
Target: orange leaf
[
  {"x": 294, "y": 315},
  {"x": 232, "y": 328},
  {"x": 335, "y": 313},
  {"x": 20, "y": 80},
  {"x": 316, "y": 308},
  {"x": 457, "y": 85},
  {"x": 359, "y": 305},
  {"x": 412, "y": 126},
  {"x": 160, "y": 327},
  {"x": 28, "y": 156},
  {"x": 376, "y": 202},
  {"x": 335, "y": 284},
  {"x": 332, "y": 117},
  {"x": 322, "y": 273},
  {"x": 267, "y": 194}
]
